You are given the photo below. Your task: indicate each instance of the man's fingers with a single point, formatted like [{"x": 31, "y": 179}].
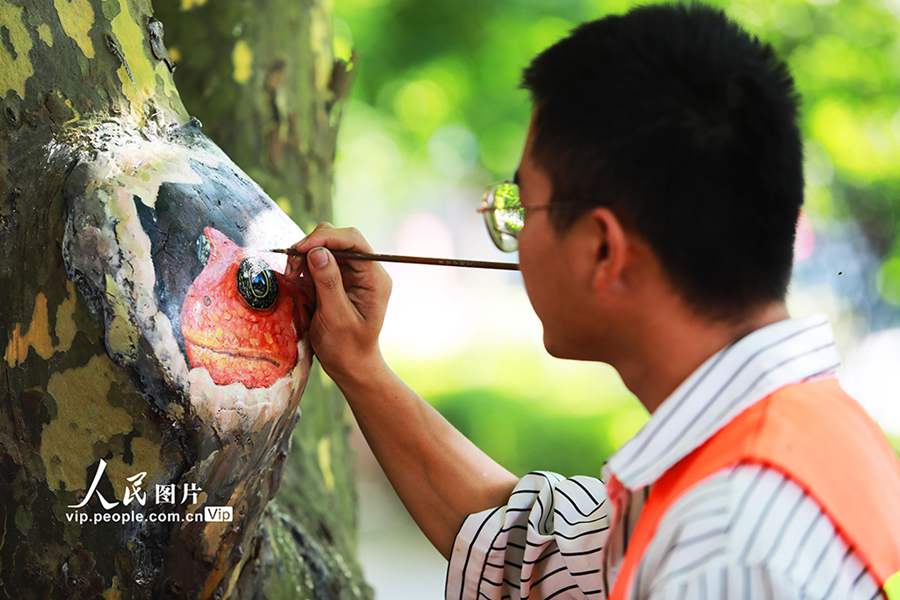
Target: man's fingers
[
  {"x": 332, "y": 300},
  {"x": 296, "y": 263},
  {"x": 345, "y": 238}
]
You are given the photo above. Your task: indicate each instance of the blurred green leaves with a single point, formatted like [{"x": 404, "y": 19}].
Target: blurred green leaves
[
  {"x": 889, "y": 280},
  {"x": 527, "y": 410}
]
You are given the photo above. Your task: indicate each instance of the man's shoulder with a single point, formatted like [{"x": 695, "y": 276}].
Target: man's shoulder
[
  {"x": 752, "y": 523},
  {"x": 739, "y": 511}
]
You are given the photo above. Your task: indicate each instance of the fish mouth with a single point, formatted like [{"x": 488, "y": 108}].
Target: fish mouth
[{"x": 242, "y": 353}]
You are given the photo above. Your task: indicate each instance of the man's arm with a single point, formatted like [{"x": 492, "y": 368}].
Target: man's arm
[{"x": 439, "y": 474}]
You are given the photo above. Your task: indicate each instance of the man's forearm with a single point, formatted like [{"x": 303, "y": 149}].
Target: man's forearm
[{"x": 439, "y": 474}]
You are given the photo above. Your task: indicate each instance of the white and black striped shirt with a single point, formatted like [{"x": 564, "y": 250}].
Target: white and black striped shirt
[{"x": 744, "y": 532}]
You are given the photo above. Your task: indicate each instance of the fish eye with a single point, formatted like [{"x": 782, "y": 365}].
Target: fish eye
[
  {"x": 203, "y": 249},
  {"x": 257, "y": 284}
]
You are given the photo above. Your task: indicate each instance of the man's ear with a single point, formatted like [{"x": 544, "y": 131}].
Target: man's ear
[{"x": 612, "y": 249}]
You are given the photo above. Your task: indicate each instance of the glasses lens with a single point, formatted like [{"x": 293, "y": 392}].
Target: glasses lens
[{"x": 504, "y": 215}]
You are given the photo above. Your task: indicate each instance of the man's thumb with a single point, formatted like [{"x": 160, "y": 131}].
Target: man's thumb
[{"x": 327, "y": 277}]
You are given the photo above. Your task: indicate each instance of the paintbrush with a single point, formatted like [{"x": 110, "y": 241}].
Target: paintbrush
[{"x": 419, "y": 260}]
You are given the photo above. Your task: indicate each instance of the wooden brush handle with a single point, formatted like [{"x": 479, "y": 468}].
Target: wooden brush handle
[{"x": 418, "y": 260}]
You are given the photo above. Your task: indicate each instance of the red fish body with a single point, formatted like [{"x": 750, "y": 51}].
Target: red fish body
[{"x": 238, "y": 328}]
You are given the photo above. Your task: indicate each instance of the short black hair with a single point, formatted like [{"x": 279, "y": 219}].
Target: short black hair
[{"x": 685, "y": 126}]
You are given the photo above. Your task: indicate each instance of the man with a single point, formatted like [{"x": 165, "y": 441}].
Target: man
[{"x": 660, "y": 186}]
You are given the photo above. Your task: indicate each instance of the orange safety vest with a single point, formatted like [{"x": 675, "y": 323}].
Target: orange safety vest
[{"x": 823, "y": 440}]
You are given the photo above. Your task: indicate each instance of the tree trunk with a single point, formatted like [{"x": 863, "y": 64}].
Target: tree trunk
[
  {"x": 153, "y": 360},
  {"x": 262, "y": 77}
]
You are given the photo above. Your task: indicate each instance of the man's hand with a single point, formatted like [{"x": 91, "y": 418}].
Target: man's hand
[
  {"x": 351, "y": 299},
  {"x": 439, "y": 475}
]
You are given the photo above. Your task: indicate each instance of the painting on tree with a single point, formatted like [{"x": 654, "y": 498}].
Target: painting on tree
[{"x": 171, "y": 250}]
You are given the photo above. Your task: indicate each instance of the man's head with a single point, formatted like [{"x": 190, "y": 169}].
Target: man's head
[{"x": 666, "y": 142}]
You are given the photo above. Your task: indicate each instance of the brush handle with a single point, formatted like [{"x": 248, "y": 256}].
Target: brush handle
[{"x": 419, "y": 260}]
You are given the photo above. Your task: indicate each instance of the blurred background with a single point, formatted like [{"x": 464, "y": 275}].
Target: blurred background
[{"x": 435, "y": 114}]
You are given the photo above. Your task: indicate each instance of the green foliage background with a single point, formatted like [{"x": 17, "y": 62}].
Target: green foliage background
[{"x": 439, "y": 80}]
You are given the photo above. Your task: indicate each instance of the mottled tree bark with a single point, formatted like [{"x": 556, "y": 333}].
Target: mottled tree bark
[
  {"x": 105, "y": 180},
  {"x": 262, "y": 77}
]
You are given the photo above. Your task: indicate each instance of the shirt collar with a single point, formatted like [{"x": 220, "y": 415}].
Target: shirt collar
[{"x": 726, "y": 384}]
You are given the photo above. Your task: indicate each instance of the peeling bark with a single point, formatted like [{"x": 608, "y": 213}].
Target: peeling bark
[{"x": 108, "y": 192}]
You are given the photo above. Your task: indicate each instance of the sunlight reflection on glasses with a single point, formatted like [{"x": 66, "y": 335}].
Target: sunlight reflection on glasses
[{"x": 504, "y": 215}]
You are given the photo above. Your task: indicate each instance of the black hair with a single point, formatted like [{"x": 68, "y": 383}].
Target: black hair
[{"x": 685, "y": 126}]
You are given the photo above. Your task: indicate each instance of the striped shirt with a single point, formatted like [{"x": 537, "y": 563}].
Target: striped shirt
[{"x": 744, "y": 532}]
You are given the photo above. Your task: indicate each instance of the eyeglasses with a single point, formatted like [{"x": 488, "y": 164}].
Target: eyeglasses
[{"x": 504, "y": 214}]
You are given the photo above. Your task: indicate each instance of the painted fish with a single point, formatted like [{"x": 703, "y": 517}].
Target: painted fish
[{"x": 241, "y": 320}]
